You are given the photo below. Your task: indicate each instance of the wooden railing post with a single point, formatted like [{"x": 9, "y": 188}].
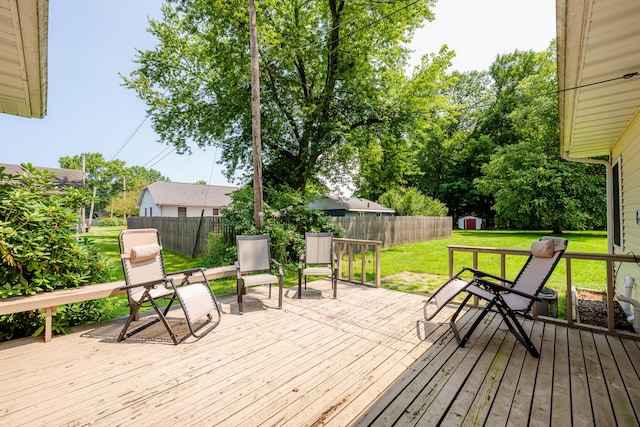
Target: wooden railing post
[{"x": 364, "y": 245}]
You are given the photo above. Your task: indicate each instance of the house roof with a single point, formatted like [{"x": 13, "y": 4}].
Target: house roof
[
  {"x": 23, "y": 57},
  {"x": 64, "y": 177},
  {"x": 598, "y": 66},
  {"x": 352, "y": 204},
  {"x": 166, "y": 193}
]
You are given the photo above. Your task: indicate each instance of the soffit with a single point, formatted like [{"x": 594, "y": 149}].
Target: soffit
[
  {"x": 597, "y": 44},
  {"x": 23, "y": 57}
]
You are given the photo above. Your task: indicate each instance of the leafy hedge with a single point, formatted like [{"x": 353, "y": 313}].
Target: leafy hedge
[
  {"x": 39, "y": 249},
  {"x": 286, "y": 218}
]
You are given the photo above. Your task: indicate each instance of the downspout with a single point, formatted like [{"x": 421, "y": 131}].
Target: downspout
[{"x": 607, "y": 165}]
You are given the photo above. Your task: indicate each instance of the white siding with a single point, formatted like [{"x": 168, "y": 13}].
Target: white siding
[
  {"x": 627, "y": 149},
  {"x": 148, "y": 204}
]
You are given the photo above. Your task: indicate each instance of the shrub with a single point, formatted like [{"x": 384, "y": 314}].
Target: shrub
[
  {"x": 110, "y": 222},
  {"x": 286, "y": 218},
  {"x": 411, "y": 202},
  {"x": 39, "y": 248}
]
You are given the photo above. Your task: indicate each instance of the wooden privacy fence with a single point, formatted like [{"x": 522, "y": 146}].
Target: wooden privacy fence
[
  {"x": 189, "y": 235},
  {"x": 185, "y": 235},
  {"x": 396, "y": 230}
]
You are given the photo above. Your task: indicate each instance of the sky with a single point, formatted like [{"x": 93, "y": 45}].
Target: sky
[{"x": 92, "y": 42}]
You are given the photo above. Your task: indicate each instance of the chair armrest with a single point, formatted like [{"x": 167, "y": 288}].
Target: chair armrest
[
  {"x": 149, "y": 284},
  {"x": 481, "y": 274},
  {"x": 497, "y": 288},
  {"x": 279, "y": 265},
  {"x": 238, "y": 274},
  {"x": 187, "y": 272}
]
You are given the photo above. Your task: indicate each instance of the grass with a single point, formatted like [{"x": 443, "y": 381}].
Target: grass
[
  {"x": 415, "y": 268},
  {"x": 423, "y": 267}
]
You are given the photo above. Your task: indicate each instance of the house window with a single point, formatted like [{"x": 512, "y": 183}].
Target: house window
[
  {"x": 145, "y": 211},
  {"x": 616, "y": 193},
  {"x": 182, "y": 211},
  {"x": 216, "y": 212},
  {"x": 150, "y": 211}
]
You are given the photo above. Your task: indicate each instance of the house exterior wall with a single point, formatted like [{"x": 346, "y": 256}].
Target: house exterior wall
[
  {"x": 148, "y": 205},
  {"x": 148, "y": 208},
  {"x": 627, "y": 152}
]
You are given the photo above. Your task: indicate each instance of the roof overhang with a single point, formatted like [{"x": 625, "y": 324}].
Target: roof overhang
[
  {"x": 597, "y": 47},
  {"x": 23, "y": 57}
]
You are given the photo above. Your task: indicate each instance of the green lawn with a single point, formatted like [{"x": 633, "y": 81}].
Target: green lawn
[{"x": 415, "y": 268}]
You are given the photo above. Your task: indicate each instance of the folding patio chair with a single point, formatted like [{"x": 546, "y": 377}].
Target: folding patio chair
[
  {"x": 318, "y": 260},
  {"x": 254, "y": 266},
  {"x": 509, "y": 298},
  {"x": 147, "y": 281}
]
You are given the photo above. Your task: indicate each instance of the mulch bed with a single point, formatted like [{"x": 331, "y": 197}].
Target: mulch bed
[{"x": 592, "y": 310}]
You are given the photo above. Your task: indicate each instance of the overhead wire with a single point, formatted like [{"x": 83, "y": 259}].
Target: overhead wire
[{"x": 350, "y": 34}]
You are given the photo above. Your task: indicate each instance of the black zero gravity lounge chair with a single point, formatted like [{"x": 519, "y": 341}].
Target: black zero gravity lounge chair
[
  {"x": 147, "y": 281},
  {"x": 510, "y": 298}
]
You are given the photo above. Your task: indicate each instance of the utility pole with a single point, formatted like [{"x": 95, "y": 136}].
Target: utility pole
[
  {"x": 255, "y": 116},
  {"x": 124, "y": 199}
]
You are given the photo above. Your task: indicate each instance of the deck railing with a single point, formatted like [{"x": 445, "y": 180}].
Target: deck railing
[
  {"x": 352, "y": 246},
  {"x": 608, "y": 259}
]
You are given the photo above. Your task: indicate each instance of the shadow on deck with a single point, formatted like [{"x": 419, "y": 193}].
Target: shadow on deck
[{"x": 366, "y": 358}]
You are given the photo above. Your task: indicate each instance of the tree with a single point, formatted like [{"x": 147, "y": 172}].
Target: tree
[
  {"x": 532, "y": 186},
  {"x": 109, "y": 178},
  {"x": 393, "y": 155},
  {"x": 330, "y": 76},
  {"x": 124, "y": 203},
  {"x": 410, "y": 202}
]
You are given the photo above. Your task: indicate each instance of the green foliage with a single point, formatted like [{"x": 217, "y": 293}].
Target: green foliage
[
  {"x": 532, "y": 187},
  {"x": 411, "y": 202},
  {"x": 287, "y": 217},
  {"x": 325, "y": 88},
  {"x": 38, "y": 245},
  {"x": 110, "y": 222},
  {"x": 111, "y": 178}
]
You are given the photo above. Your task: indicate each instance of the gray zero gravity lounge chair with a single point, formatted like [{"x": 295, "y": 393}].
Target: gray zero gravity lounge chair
[
  {"x": 509, "y": 298},
  {"x": 318, "y": 260},
  {"x": 147, "y": 281},
  {"x": 254, "y": 266}
]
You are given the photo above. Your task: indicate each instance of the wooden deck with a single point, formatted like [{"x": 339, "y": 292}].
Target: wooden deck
[{"x": 366, "y": 358}]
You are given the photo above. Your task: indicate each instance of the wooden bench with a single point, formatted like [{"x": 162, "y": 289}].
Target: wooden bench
[{"x": 47, "y": 302}]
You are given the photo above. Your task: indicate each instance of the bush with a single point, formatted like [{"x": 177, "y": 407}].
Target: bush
[
  {"x": 411, "y": 202},
  {"x": 287, "y": 217},
  {"x": 39, "y": 248},
  {"x": 110, "y": 222}
]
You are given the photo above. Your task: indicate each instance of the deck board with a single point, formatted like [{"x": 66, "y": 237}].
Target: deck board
[{"x": 366, "y": 358}]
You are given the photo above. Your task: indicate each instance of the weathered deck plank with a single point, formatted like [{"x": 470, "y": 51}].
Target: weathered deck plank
[{"x": 366, "y": 358}]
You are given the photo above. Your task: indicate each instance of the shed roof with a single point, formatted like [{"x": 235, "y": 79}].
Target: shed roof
[
  {"x": 166, "y": 193},
  {"x": 352, "y": 204}
]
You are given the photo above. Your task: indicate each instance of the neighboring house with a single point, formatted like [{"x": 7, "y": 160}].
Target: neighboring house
[
  {"x": 350, "y": 207},
  {"x": 23, "y": 57},
  {"x": 599, "y": 106},
  {"x": 64, "y": 177},
  {"x": 176, "y": 199}
]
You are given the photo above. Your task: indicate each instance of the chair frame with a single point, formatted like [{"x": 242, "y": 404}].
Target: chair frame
[
  {"x": 483, "y": 283},
  {"x": 190, "y": 277},
  {"x": 305, "y": 261},
  {"x": 267, "y": 265}
]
